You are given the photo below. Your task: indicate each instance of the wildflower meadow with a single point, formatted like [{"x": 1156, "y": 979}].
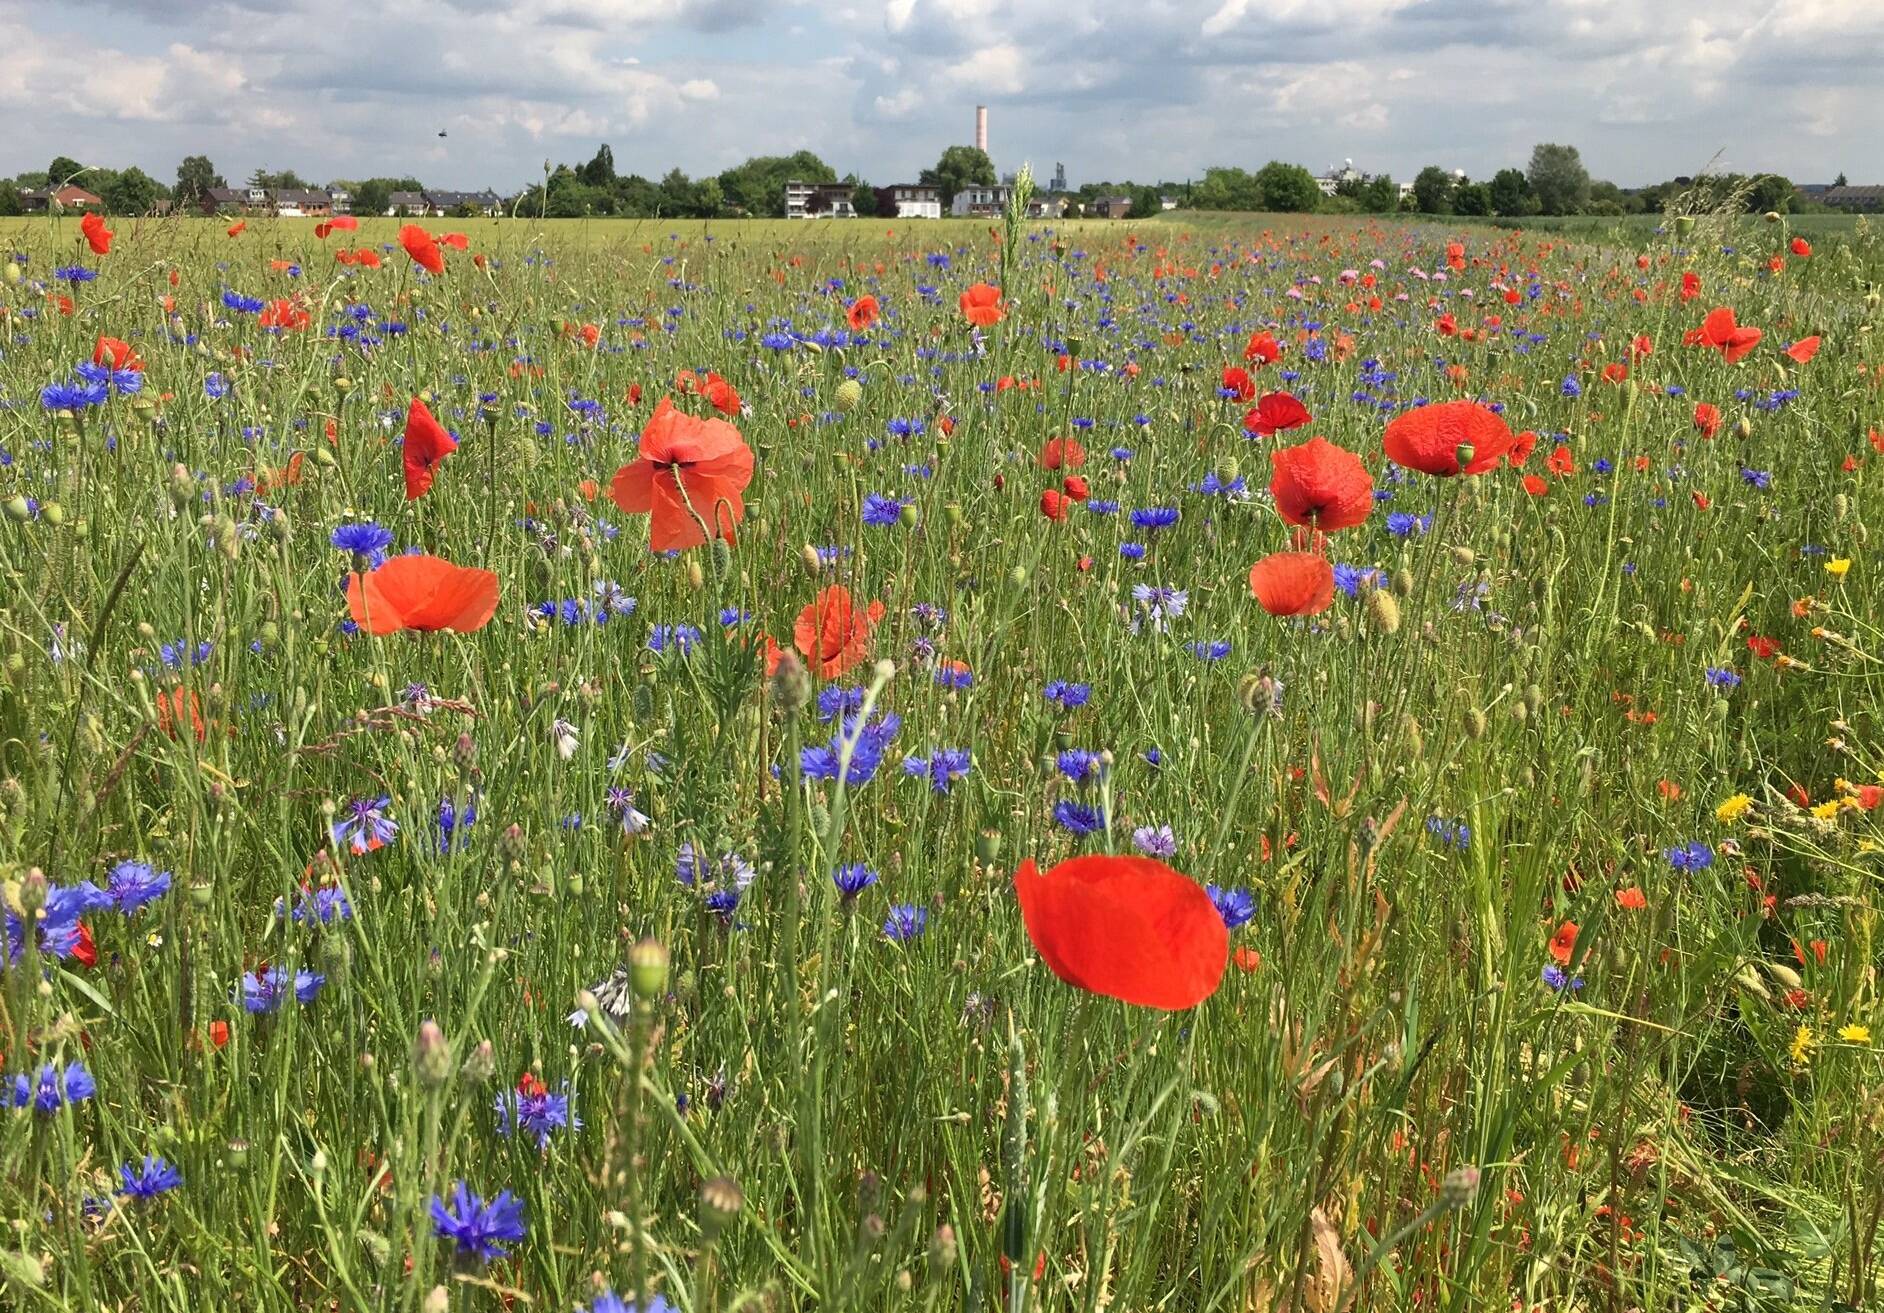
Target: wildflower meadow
[{"x": 1267, "y": 764}]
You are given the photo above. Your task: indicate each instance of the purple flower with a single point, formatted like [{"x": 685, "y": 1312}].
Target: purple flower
[{"x": 475, "y": 1225}]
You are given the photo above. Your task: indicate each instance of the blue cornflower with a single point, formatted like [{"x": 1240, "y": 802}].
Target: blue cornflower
[
  {"x": 477, "y": 1226},
  {"x": 1132, "y": 551},
  {"x": 453, "y": 822},
  {"x": 731, "y": 617},
  {"x": 1160, "y": 603},
  {"x": 1761, "y": 479},
  {"x": 1100, "y": 506},
  {"x": 1153, "y": 518},
  {"x": 1559, "y": 980},
  {"x": 150, "y": 1180},
  {"x": 622, "y": 802},
  {"x": 1077, "y": 817},
  {"x": 731, "y": 869},
  {"x": 266, "y": 990},
  {"x": 1214, "y": 650},
  {"x": 58, "y": 919},
  {"x": 74, "y": 274},
  {"x": 1236, "y": 906},
  {"x": 1450, "y": 833},
  {"x": 53, "y": 1087},
  {"x": 610, "y": 1302},
  {"x": 133, "y": 884},
  {"x": 323, "y": 906},
  {"x": 905, "y": 922},
  {"x": 1159, "y": 842},
  {"x": 1691, "y": 856},
  {"x": 868, "y": 742},
  {"x": 176, "y": 655},
  {"x": 942, "y": 767},
  {"x": 1080, "y": 765},
  {"x": 75, "y": 395},
  {"x": 681, "y": 638},
  {"x": 722, "y": 903},
  {"x": 1720, "y": 677},
  {"x": 365, "y": 826},
  {"x": 954, "y": 674},
  {"x": 881, "y": 511},
  {"x": 835, "y": 701},
  {"x": 1571, "y": 388},
  {"x": 853, "y": 879},
  {"x": 1067, "y": 695},
  {"x": 215, "y": 386},
  {"x": 537, "y": 1112},
  {"x": 247, "y": 305},
  {"x": 1404, "y": 524}
]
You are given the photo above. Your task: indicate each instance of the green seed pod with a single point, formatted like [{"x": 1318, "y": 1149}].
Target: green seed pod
[
  {"x": 343, "y": 385},
  {"x": 647, "y": 969},
  {"x": 988, "y": 847},
  {"x": 18, "y": 508},
  {"x": 907, "y": 516},
  {"x": 1684, "y": 225},
  {"x": 1743, "y": 427}
]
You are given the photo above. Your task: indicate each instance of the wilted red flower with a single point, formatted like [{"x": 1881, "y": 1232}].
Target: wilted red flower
[
  {"x": 97, "y": 236},
  {"x": 1804, "y": 349},
  {"x": 237, "y": 228},
  {"x": 1062, "y": 453},
  {"x": 1274, "y": 412},
  {"x": 1721, "y": 331},
  {"x": 832, "y": 634},
  {"x": 1321, "y": 486},
  {"x": 684, "y": 461},
  {"x": 426, "y": 444},
  {"x": 421, "y": 592},
  {"x": 1433, "y": 438},
  {"x": 1293, "y": 583},
  {"x": 423, "y": 250},
  {"x": 981, "y": 305},
  {"x": 862, "y": 313},
  {"x": 1236, "y": 380},
  {"x": 1129, "y": 928},
  {"x": 1263, "y": 348},
  {"x": 117, "y": 353},
  {"x": 1707, "y": 418}
]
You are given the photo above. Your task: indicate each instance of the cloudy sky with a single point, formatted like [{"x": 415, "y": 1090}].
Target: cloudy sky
[{"x": 1113, "y": 88}]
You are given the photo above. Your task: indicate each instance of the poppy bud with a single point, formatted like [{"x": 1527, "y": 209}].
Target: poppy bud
[
  {"x": 1412, "y": 736},
  {"x": 1464, "y": 555},
  {"x": 322, "y": 456},
  {"x": 1534, "y": 698},
  {"x": 696, "y": 577},
  {"x": 1743, "y": 427},
  {"x": 1017, "y": 577},
  {"x": 437, "y": 1300},
  {"x": 1771, "y": 216},
  {"x": 431, "y": 1055},
  {"x": 1403, "y": 582},
  {"x": 1520, "y": 712},
  {"x": 18, "y": 508},
  {"x": 809, "y": 555},
  {"x": 1475, "y": 723},
  {"x": 791, "y": 683},
  {"x": 1841, "y": 506},
  {"x": 849, "y": 393},
  {"x": 647, "y": 968},
  {"x": 13, "y": 274},
  {"x": 343, "y": 385},
  {"x": 1383, "y": 611}
]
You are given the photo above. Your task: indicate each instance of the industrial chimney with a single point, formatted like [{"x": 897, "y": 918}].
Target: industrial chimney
[{"x": 981, "y": 128}]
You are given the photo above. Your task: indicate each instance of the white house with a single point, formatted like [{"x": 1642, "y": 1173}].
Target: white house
[{"x": 909, "y": 200}]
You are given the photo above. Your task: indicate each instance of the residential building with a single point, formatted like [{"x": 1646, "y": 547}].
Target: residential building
[
  {"x": 342, "y": 200},
  {"x": 1112, "y": 207},
  {"x": 41, "y": 199},
  {"x": 980, "y": 200},
  {"x": 411, "y": 204},
  {"x": 1854, "y": 198},
  {"x": 485, "y": 202},
  {"x": 819, "y": 200},
  {"x": 909, "y": 200},
  {"x": 1331, "y": 181},
  {"x": 227, "y": 200},
  {"x": 302, "y": 202}
]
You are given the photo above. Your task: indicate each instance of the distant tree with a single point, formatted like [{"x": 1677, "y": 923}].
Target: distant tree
[
  {"x": 373, "y": 196},
  {"x": 1839, "y": 181},
  {"x": 1432, "y": 190},
  {"x": 1511, "y": 193},
  {"x": 863, "y": 197},
  {"x": 1611, "y": 199},
  {"x": 10, "y": 202},
  {"x": 62, "y": 170},
  {"x": 1287, "y": 187},
  {"x": 1146, "y": 203},
  {"x": 757, "y": 187},
  {"x": 636, "y": 197},
  {"x": 1771, "y": 191},
  {"x": 131, "y": 191},
  {"x": 1558, "y": 178},
  {"x": 195, "y": 176},
  {"x": 1380, "y": 194},
  {"x": 1224, "y": 188},
  {"x": 600, "y": 171},
  {"x": 959, "y": 167},
  {"x": 1471, "y": 198}
]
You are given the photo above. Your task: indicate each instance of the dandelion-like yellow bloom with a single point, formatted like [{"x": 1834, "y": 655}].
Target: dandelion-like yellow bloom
[
  {"x": 1826, "y": 811},
  {"x": 1734, "y": 808},
  {"x": 1802, "y": 1045},
  {"x": 1855, "y": 1034},
  {"x": 1838, "y": 566}
]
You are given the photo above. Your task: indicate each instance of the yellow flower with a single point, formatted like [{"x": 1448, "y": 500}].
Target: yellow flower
[
  {"x": 1837, "y": 567},
  {"x": 1734, "y": 808},
  {"x": 1802, "y": 1046},
  {"x": 1855, "y": 1034},
  {"x": 1826, "y": 811}
]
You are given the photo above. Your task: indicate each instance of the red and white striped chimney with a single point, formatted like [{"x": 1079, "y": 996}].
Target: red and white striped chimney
[{"x": 981, "y": 128}]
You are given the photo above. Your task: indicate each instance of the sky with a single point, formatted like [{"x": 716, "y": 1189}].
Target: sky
[{"x": 1143, "y": 89}]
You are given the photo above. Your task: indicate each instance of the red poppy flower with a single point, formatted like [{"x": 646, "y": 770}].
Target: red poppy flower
[
  {"x": 1725, "y": 334},
  {"x": 862, "y": 313},
  {"x": 421, "y": 592},
  {"x": 1293, "y": 583},
  {"x": 1321, "y": 486},
  {"x": 456, "y": 241},
  {"x": 1631, "y": 899},
  {"x": 219, "y": 1033},
  {"x": 1075, "y": 487},
  {"x": 1432, "y": 438},
  {"x": 97, "y": 236},
  {"x": 981, "y": 305},
  {"x": 367, "y": 256},
  {"x": 85, "y": 949},
  {"x": 1563, "y": 944},
  {"x": 1562, "y": 461},
  {"x": 321, "y": 230},
  {"x": 1263, "y": 348},
  {"x": 684, "y": 461},
  {"x": 1804, "y": 349},
  {"x": 832, "y": 634},
  {"x": 237, "y": 228},
  {"x": 423, "y": 250},
  {"x": 285, "y": 313},
  {"x": 1062, "y": 453},
  {"x": 426, "y": 444},
  {"x": 1707, "y": 418},
  {"x": 1762, "y": 647},
  {"x": 117, "y": 353},
  {"x": 723, "y": 396},
  {"x": 1521, "y": 448},
  {"x": 179, "y": 706},
  {"x": 1054, "y": 504},
  {"x": 1236, "y": 380},
  {"x": 343, "y": 223},
  {"x": 1801, "y": 247},
  {"x": 1274, "y": 412},
  {"x": 1129, "y": 928},
  {"x": 1690, "y": 285}
]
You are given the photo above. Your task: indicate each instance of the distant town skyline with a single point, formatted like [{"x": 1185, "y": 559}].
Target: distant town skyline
[{"x": 479, "y": 93}]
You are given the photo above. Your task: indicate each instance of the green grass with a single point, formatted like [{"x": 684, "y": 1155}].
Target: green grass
[{"x": 916, "y": 1125}]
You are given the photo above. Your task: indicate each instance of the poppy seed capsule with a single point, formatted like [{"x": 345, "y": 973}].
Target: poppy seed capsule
[
  {"x": 18, "y": 508},
  {"x": 647, "y": 968},
  {"x": 849, "y": 393}
]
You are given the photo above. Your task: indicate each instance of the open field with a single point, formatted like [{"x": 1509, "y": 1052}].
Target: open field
[{"x": 1499, "y": 928}]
